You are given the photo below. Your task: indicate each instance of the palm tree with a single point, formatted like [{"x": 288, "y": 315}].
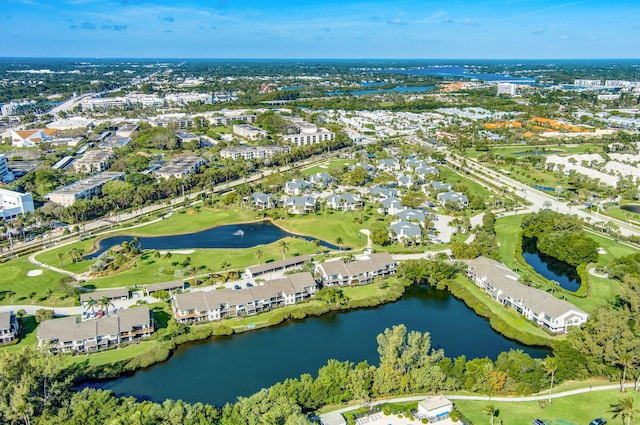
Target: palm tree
[
  {"x": 285, "y": 247},
  {"x": 91, "y": 304},
  {"x": 159, "y": 257},
  {"x": 168, "y": 255},
  {"x": 623, "y": 408},
  {"x": 490, "y": 410},
  {"x": 550, "y": 366},
  {"x": 60, "y": 255},
  {"x": 339, "y": 242},
  {"x": 225, "y": 266},
  {"x": 104, "y": 303},
  {"x": 258, "y": 255}
]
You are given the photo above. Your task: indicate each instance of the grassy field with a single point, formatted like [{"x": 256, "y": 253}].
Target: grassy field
[
  {"x": 574, "y": 410},
  {"x": 450, "y": 176},
  {"x": 14, "y": 280},
  {"x": 326, "y": 167}
]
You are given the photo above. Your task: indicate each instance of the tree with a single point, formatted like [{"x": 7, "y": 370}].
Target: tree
[
  {"x": 550, "y": 366},
  {"x": 285, "y": 247},
  {"x": 339, "y": 242},
  {"x": 91, "y": 304},
  {"x": 60, "y": 256},
  {"x": 225, "y": 266},
  {"x": 43, "y": 314},
  {"x": 490, "y": 410},
  {"x": 623, "y": 408},
  {"x": 104, "y": 304},
  {"x": 258, "y": 255}
]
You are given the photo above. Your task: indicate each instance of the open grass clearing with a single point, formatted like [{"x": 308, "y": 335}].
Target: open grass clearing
[
  {"x": 16, "y": 287},
  {"x": 326, "y": 167},
  {"x": 573, "y": 410},
  {"x": 473, "y": 187}
]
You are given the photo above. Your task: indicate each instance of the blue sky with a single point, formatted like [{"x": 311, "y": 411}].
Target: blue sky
[{"x": 465, "y": 29}]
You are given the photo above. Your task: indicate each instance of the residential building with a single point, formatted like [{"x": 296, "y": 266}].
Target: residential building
[
  {"x": 383, "y": 192},
  {"x": 501, "y": 284},
  {"x": 344, "y": 202},
  {"x": 441, "y": 186},
  {"x": 263, "y": 201},
  {"x": 427, "y": 171},
  {"x": 434, "y": 409},
  {"x": 296, "y": 187},
  {"x": 185, "y": 136},
  {"x": 587, "y": 83},
  {"x": 71, "y": 335},
  {"x": 13, "y": 204},
  {"x": 127, "y": 129},
  {"x": 508, "y": 89},
  {"x": 216, "y": 305},
  {"x": 181, "y": 167},
  {"x": 406, "y": 231},
  {"x": 93, "y": 161},
  {"x": 119, "y": 294},
  {"x": 388, "y": 165},
  {"x": 410, "y": 214},
  {"x": 320, "y": 179},
  {"x": 29, "y": 138},
  {"x": 409, "y": 181},
  {"x": 86, "y": 188},
  {"x": 307, "y": 134},
  {"x": 227, "y": 119},
  {"x": 8, "y": 327},
  {"x": 4, "y": 166},
  {"x": 337, "y": 272},
  {"x": 300, "y": 204},
  {"x": 250, "y": 132},
  {"x": 392, "y": 206},
  {"x": 274, "y": 266},
  {"x": 172, "y": 121},
  {"x": 454, "y": 198},
  {"x": 253, "y": 152},
  {"x": 170, "y": 287}
]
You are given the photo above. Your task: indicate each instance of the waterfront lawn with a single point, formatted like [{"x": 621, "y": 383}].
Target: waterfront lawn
[
  {"x": 573, "y": 410},
  {"x": 331, "y": 225},
  {"x": 202, "y": 260},
  {"x": 190, "y": 220},
  {"x": 15, "y": 281},
  {"x": 145, "y": 348}
]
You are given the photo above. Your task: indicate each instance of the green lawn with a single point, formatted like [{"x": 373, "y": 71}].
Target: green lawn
[
  {"x": 112, "y": 356},
  {"x": 477, "y": 189},
  {"x": 326, "y": 167},
  {"x": 14, "y": 279},
  {"x": 574, "y": 410},
  {"x": 192, "y": 220}
]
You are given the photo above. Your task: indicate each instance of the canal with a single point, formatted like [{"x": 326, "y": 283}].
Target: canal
[{"x": 216, "y": 371}]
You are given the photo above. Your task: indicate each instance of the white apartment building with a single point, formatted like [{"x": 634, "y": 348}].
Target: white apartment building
[
  {"x": 93, "y": 161},
  {"x": 86, "y": 188},
  {"x": 4, "y": 168},
  {"x": 253, "y": 152},
  {"x": 249, "y": 132},
  {"x": 13, "y": 204},
  {"x": 507, "y": 88},
  {"x": 308, "y": 134},
  {"x": 587, "y": 83}
]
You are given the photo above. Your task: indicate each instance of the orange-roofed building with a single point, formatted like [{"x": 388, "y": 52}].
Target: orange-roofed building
[{"x": 28, "y": 138}]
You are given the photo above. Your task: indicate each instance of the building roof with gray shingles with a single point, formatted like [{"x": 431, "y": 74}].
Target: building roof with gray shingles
[
  {"x": 262, "y": 197},
  {"x": 166, "y": 286},
  {"x": 505, "y": 281},
  {"x": 453, "y": 197},
  {"x": 287, "y": 262},
  {"x": 411, "y": 214},
  {"x": 391, "y": 202},
  {"x": 406, "y": 228},
  {"x": 370, "y": 263},
  {"x": 383, "y": 192},
  {"x": 297, "y": 184},
  {"x": 300, "y": 201},
  {"x": 436, "y": 185},
  {"x": 111, "y": 294},
  {"x": 434, "y": 403},
  {"x": 134, "y": 317}
]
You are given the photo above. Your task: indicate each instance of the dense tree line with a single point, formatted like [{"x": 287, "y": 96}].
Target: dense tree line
[{"x": 560, "y": 236}]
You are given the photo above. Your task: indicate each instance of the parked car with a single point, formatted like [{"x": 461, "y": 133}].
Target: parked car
[
  {"x": 598, "y": 421},
  {"x": 538, "y": 422},
  {"x": 249, "y": 284},
  {"x": 237, "y": 287}
]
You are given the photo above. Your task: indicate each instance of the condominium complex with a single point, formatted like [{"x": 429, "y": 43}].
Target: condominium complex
[
  {"x": 86, "y": 188},
  {"x": 249, "y": 132},
  {"x": 308, "y": 134},
  {"x": 13, "y": 204},
  {"x": 93, "y": 161},
  {"x": 253, "y": 152},
  {"x": 180, "y": 167}
]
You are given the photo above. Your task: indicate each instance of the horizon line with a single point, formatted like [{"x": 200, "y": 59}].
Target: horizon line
[{"x": 315, "y": 58}]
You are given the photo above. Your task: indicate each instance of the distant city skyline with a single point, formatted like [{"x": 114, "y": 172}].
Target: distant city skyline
[{"x": 403, "y": 29}]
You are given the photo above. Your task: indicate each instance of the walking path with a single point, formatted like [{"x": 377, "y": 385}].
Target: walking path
[{"x": 482, "y": 398}]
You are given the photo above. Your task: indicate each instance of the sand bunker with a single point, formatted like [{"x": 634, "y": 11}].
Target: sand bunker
[
  {"x": 32, "y": 273},
  {"x": 601, "y": 251},
  {"x": 184, "y": 251}
]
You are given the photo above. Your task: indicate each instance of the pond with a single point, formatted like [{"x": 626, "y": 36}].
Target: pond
[
  {"x": 216, "y": 371},
  {"x": 244, "y": 235},
  {"x": 634, "y": 208},
  {"x": 549, "y": 267}
]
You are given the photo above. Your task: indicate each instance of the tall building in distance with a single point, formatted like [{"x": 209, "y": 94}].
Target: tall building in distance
[{"x": 508, "y": 88}]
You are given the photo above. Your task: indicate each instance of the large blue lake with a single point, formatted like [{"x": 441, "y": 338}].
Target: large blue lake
[
  {"x": 459, "y": 71},
  {"x": 216, "y": 371},
  {"x": 244, "y": 235}
]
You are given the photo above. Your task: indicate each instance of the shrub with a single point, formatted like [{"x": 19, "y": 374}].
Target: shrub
[{"x": 223, "y": 330}]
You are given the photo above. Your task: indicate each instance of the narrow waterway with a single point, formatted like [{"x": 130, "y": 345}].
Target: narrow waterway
[{"x": 216, "y": 371}]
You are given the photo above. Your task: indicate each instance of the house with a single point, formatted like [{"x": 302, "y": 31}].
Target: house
[
  {"x": 172, "y": 286},
  {"x": 370, "y": 169},
  {"x": 300, "y": 204},
  {"x": 501, "y": 284},
  {"x": 454, "y": 198},
  {"x": 321, "y": 179},
  {"x": 8, "y": 327},
  {"x": 410, "y": 214},
  {"x": 29, "y": 138},
  {"x": 392, "y": 206},
  {"x": 344, "y": 202},
  {"x": 434, "y": 409},
  {"x": 388, "y": 165},
  {"x": 296, "y": 187},
  {"x": 337, "y": 272},
  {"x": 427, "y": 170},
  {"x": 380, "y": 192},
  {"x": 273, "y": 266},
  {"x": 218, "y": 304},
  {"x": 262, "y": 201},
  {"x": 406, "y": 231},
  {"x": 71, "y": 335},
  {"x": 414, "y": 164},
  {"x": 119, "y": 294},
  {"x": 441, "y": 186},
  {"x": 408, "y": 181}
]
